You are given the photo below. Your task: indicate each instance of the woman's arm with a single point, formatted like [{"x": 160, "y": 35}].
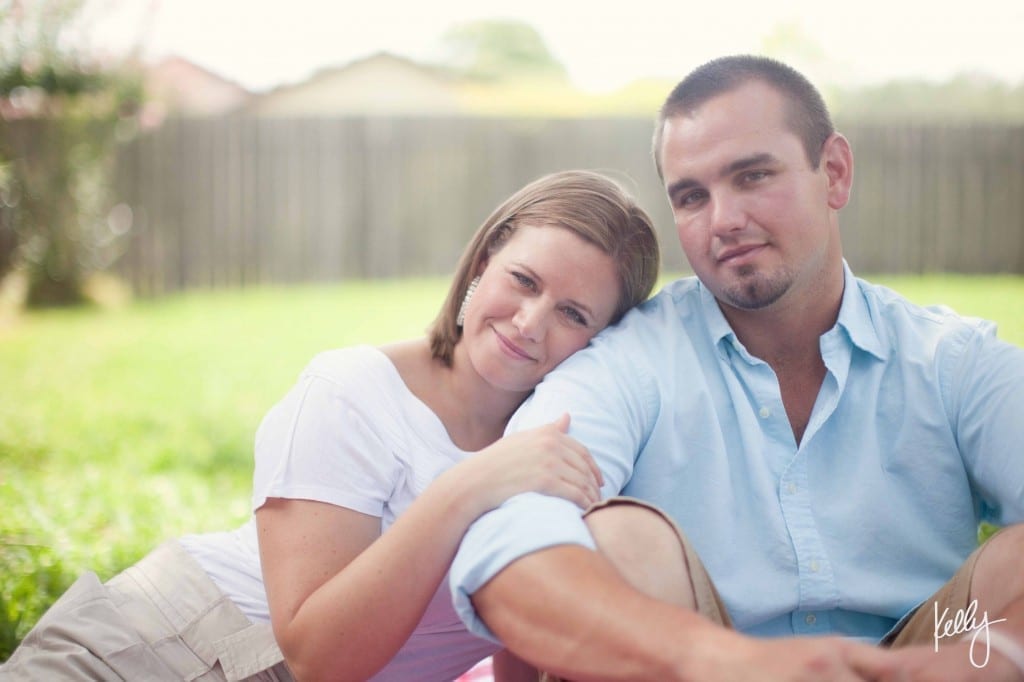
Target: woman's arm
[
  {"x": 342, "y": 597},
  {"x": 507, "y": 667}
]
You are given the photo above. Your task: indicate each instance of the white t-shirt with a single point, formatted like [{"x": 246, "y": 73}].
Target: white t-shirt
[{"x": 349, "y": 433}]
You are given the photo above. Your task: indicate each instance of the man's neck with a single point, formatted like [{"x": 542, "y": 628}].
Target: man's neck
[
  {"x": 787, "y": 336},
  {"x": 783, "y": 339},
  {"x": 788, "y": 331}
]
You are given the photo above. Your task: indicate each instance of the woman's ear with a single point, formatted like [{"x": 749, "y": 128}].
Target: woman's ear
[{"x": 837, "y": 162}]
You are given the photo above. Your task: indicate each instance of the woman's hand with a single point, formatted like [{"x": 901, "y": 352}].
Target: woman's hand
[
  {"x": 544, "y": 459},
  {"x": 342, "y": 600}
]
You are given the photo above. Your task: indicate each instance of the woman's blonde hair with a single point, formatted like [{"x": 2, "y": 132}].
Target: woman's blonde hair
[{"x": 586, "y": 203}]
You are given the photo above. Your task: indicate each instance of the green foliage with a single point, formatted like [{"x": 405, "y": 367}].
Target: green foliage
[
  {"x": 51, "y": 79},
  {"x": 62, "y": 118},
  {"x": 496, "y": 50}
]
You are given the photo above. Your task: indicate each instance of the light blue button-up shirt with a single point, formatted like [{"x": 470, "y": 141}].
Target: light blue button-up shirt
[{"x": 916, "y": 436}]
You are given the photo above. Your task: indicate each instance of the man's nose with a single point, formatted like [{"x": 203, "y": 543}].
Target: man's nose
[{"x": 727, "y": 214}]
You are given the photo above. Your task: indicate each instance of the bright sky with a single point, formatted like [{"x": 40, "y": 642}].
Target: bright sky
[{"x": 603, "y": 43}]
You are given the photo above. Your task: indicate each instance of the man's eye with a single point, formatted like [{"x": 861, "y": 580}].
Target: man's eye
[{"x": 690, "y": 199}]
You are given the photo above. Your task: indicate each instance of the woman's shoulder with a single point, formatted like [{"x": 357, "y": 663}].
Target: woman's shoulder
[
  {"x": 361, "y": 378},
  {"x": 369, "y": 378},
  {"x": 351, "y": 365}
]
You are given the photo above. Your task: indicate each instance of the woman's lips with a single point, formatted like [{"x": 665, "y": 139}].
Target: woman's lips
[{"x": 510, "y": 348}]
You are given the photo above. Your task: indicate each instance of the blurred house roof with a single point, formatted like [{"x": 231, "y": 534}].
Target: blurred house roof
[
  {"x": 381, "y": 83},
  {"x": 176, "y": 85}
]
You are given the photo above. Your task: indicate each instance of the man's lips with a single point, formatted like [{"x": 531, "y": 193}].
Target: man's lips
[
  {"x": 510, "y": 348},
  {"x": 737, "y": 254}
]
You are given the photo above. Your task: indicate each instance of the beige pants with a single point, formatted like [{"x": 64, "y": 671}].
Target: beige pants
[{"x": 161, "y": 619}]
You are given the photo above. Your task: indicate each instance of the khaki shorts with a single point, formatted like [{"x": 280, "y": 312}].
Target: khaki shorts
[
  {"x": 161, "y": 619},
  {"x": 918, "y": 626},
  {"x": 709, "y": 603}
]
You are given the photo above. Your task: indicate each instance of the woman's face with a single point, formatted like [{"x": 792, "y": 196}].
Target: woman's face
[{"x": 541, "y": 297}]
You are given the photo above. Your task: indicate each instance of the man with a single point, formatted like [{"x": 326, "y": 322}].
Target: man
[{"x": 827, "y": 447}]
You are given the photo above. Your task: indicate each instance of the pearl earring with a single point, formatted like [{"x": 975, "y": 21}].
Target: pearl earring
[{"x": 465, "y": 301}]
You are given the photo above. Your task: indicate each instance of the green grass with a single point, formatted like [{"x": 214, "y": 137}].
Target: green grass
[{"x": 121, "y": 428}]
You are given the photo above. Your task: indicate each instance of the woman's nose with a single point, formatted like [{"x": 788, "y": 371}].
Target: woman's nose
[{"x": 530, "y": 319}]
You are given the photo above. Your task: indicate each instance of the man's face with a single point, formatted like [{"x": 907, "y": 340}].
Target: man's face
[{"x": 752, "y": 215}]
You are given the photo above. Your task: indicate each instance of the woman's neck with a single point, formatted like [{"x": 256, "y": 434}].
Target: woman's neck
[{"x": 473, "y": 412}]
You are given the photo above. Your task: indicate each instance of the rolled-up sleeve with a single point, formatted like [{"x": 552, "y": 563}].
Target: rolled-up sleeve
[{"x": 525, "y": 524}]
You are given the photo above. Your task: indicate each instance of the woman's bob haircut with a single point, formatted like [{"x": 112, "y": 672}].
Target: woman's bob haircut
[{"x": 584, "y": 202}]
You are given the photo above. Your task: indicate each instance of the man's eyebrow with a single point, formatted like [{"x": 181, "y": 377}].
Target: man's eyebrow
[
  {"x": 681, "y": 185},
  {"x": 725, "y": 171},
  {"x": 746, "y": 162}
]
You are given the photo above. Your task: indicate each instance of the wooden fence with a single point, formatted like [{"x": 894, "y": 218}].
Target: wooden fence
[{"x": 237, "y": 201}]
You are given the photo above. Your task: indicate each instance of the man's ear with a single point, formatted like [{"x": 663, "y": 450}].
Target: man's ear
[{"x": 837, "y": 162}]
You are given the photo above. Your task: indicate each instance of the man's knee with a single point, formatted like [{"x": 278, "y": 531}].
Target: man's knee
[
  {"x": 646, "y": 549},
  {"x": 999, "y": 573}
]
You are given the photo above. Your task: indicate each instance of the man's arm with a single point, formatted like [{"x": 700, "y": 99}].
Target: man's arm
[
  {"x": 611, "y": 403},
  {"x": 986, "y": 399},
  {"x": 566, "y": 610}
]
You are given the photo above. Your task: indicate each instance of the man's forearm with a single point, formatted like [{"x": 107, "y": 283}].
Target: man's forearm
[{"x": 566, "y": 610}]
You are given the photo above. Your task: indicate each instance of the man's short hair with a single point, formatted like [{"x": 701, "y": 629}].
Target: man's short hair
[{"x": 807, "y": 115}]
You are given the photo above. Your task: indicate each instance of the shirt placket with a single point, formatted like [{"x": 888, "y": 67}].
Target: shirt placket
[{"x": 817, "y": 588}]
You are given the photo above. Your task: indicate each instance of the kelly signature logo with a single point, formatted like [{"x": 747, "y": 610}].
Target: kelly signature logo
[{"x": 962, "y": 622}]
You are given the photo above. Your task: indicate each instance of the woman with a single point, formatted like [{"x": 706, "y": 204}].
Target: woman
[{"x": 404, "y": 439}]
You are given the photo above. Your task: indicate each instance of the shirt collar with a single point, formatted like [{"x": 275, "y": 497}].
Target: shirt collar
[
  {"x": 854, "y": 318},
  {"x": 718, "y": 327}
]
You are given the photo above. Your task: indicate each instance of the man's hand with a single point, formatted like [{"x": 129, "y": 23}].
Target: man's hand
[
  {"x": 953, "y": 661},
  {"x": 736, "y": 658}
]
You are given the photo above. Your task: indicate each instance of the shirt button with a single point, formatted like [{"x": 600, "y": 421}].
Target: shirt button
[
  {"x": 791, "y": 488},
  {"x": 815, "y": 567},
  {"x": 765, "y": 412},
  {"x": 810, "y": 619}
]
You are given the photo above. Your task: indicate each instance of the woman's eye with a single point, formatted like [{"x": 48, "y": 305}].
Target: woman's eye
[
  {"x": 523, "y": 280},
  {"x": 575, "y": 316}
]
